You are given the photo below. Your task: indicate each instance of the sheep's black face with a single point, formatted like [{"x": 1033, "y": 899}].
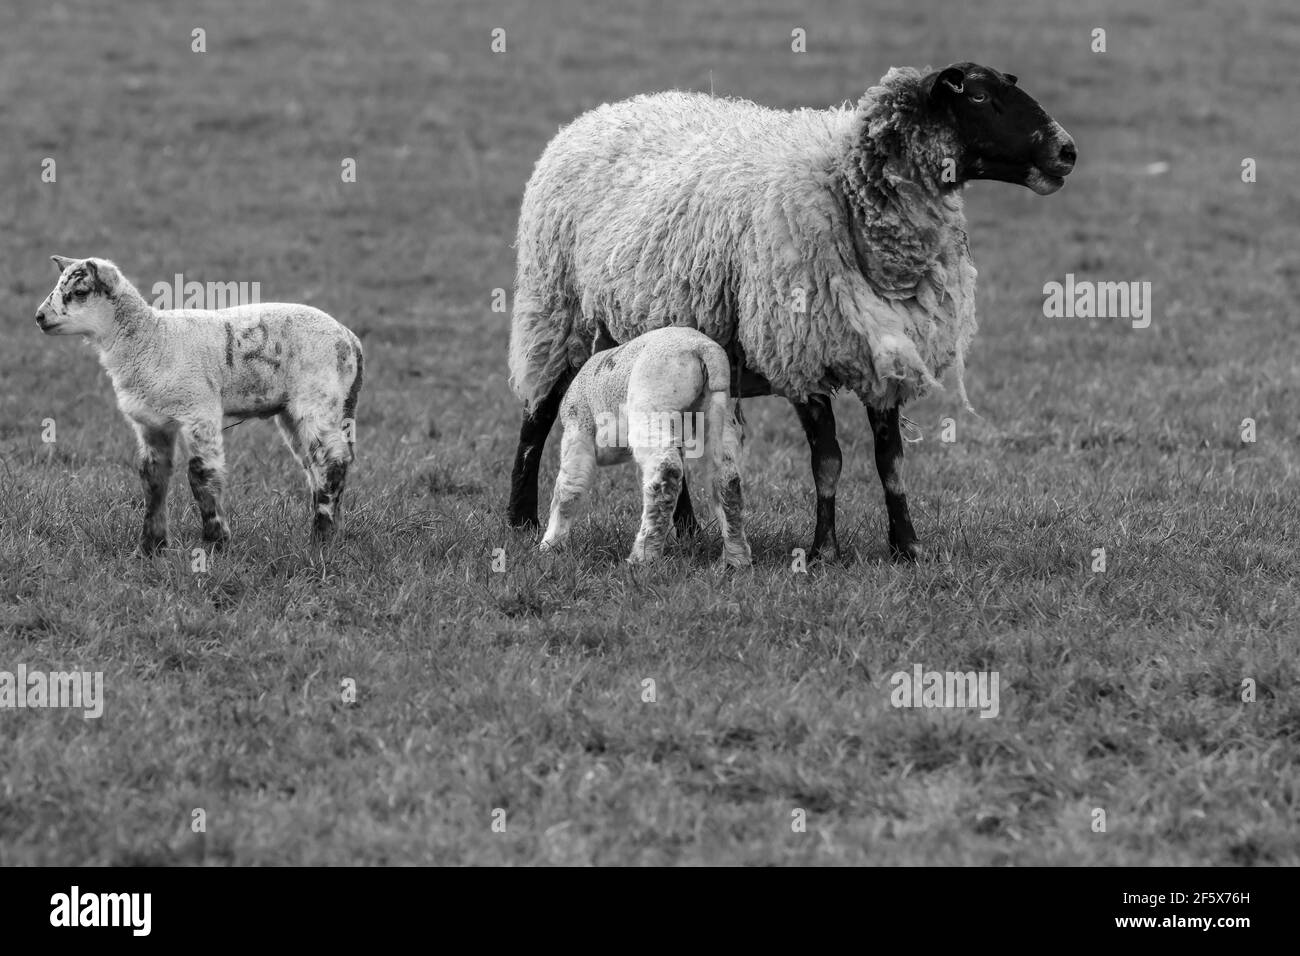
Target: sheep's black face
[{"x": 1005, "y": 134}]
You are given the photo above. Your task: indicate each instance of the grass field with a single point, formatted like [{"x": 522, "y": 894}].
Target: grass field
[{"x": 522, "y": 690}]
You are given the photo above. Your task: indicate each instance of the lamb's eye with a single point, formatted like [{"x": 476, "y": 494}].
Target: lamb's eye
[
  {"x": 978, "y": 97},
  {"x": 80, "y": 294}
]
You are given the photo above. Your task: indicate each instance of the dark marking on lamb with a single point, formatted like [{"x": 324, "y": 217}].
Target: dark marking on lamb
[
  {"x": 201, "y": 473},
  {"x": 155, "y": 469},
  {"x": 256, "y": 353},
  {"x": 733, "y": 502},
  {"x": 98, "y": 285},
  {"x": 230, "y": 345},
  {"x": 206, "y": 485},
  {"x": 342, "y": 356},
  {"x": 80, "y": 281},
  {"x": 328, "y": 499},
  {"x": 354, "y": 390}
]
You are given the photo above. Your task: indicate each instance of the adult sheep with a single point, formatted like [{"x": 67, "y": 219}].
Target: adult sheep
[{"x": 825, "y": 249}]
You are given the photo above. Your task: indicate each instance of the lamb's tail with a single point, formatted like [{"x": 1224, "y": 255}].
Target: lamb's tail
[
  {"x": 717, "y": 411},
  {"x": 350, "y": 402}
]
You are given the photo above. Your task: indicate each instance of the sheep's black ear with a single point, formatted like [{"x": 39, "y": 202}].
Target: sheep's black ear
[
  {"x": 1011, "y": 78},
  {"x": 942, "y": 83},
  {"x": 61, "y": 262}
]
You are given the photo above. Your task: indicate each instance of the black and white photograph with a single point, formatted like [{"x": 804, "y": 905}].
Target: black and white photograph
[{"x": 651, "y": 433}]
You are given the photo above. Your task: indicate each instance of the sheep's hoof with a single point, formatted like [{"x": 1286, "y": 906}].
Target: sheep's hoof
[
  {"x": 151, "y": 545},
  {"x": 828, "y": 553},
  {"x": 905, "y": 552}
]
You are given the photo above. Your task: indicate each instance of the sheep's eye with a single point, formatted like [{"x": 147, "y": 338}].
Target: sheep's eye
[
  {"x": 978, "y": 97},
  {"x": 80, "y": 294}
]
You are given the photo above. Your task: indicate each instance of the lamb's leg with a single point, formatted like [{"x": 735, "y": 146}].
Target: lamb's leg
[
  {"x": 818, "y": 420},
  {"x": 522, "y": 509},
  {"x": 326, "y": 459},
  {"x": 291, "y": 432},
  {"x": 154, "y": 462},
  {"x": 330, "y": 473},
  {"x": 726, "y": 496},
  {"x": 577, "y": 472},
  {"x": 207, "y": 469},
  {"x": 661, "y": 480},
  {"x": 903, "y": 545}
]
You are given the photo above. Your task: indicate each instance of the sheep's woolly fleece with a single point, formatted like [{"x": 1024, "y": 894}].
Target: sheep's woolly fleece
[{"x": 686, "y": 209}]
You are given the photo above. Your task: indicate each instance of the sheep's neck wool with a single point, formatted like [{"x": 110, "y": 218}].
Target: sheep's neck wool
[{"x": 909, "y": 231}]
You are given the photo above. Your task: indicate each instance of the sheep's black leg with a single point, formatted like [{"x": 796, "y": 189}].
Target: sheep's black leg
[
  {"x": 903, "y": 545},
  {"x": 684, "y": 515},
  {"x": 522, "y": 509},
  {"x": 818, "y": 420}
]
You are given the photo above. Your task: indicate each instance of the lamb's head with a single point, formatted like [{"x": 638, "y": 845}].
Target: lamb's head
[
  {"x": 1003, "y": 132},
  {"x": 81, "y": 302}
]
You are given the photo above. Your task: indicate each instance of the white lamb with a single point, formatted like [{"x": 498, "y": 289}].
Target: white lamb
[
  {"x": 649, "y": 401},
  {"x": 178, "y": 373}
]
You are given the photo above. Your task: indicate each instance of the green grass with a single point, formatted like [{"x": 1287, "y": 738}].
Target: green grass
[{"x": 522, "y": 690}]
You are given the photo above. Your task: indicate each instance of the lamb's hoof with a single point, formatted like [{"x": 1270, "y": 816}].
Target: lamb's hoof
[
  {"x": 637, "y": 560},
  {"x": 727, "y": 563},
  {"x": 548, "y": 547},
  {"x": 151, "y": 545},
  {"x": 905, "y": 552},
  {"x": 523, "y": 522},
  {"x": 322, "y": 532}
]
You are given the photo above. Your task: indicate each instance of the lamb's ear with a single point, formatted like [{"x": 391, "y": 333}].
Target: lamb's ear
[
  {"x": 61, "y": 263},
  {"x": 103, "y": 275},
  {"x": 943, "y": 83}
]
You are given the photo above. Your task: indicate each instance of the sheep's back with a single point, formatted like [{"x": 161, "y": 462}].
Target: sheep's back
[{"x": 641, "y": 212}]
